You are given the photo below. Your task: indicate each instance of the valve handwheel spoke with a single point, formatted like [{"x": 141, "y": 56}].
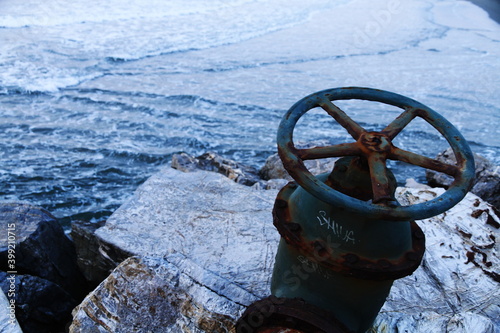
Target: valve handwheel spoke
[
  {"x": 354, "y": 129},
  {"x": 380, "y": 180},
  {"x": 343, "y": 149},
  {"x": 376, "y": 147},
  {"x": 424, "y": 162},
  {"x": 400, "y": 122}
]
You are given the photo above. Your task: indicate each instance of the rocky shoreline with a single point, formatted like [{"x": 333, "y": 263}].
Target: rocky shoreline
[{"x": 196, "y": 244}]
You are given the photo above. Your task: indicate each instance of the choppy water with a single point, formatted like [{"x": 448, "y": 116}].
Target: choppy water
[{"x": 94, "y": 98}]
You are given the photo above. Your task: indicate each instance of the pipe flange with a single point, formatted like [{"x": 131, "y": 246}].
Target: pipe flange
[{"x": 276, "y": 315}]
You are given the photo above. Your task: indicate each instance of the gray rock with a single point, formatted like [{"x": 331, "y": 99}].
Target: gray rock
[
  {"x": 168, "y": 294},
  {"x": 274, "y": 184},
  {"x": 199, "y": 222},
  {"x": 209, "y": 245},
  {"x": 8, "y": 321},
  {"x": 487, "y": 178},
  {"x": 41, "y": 248},
  {"x": 211, "y": 161},
  {"x": 185, "y": 162},
  {"x": 274, "y": 169},
  {"x": 40, "y": 305},
  {"x": 456, "y": 288},
  {"x": 189, "y": 213}
]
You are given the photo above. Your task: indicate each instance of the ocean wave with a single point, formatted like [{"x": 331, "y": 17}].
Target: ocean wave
[
  {"x": 58, "y": 45},
  {"x": 92, "y": 105},
  {"x": 57, "y": 12},
  {"x": 26, "y": 77}
]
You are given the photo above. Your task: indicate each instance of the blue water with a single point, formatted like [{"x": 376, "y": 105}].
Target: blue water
[{"x": 94, "y": 98}]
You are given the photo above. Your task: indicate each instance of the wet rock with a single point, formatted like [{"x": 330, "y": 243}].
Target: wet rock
[
  {"x": 8, "y": 321},
  {"x": 210, "y": 161},
  {"x": 41, "y": 249},
  {"x": 487, "y": 178},
  {"x": 40, "y": 305},
  {"x": 208, "y": 246}
]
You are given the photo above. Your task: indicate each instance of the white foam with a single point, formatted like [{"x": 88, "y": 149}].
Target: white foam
[
  {"x": 57, "y": 44},
  {"x": 462, "y": 15},
  {"x": 58, "y": 12},
  {"x": 49, "y": 78},
  {"x": 53, "y": 44}
]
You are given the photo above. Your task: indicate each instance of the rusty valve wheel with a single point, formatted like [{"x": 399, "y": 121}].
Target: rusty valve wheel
[{"x": 376, "y": 147}]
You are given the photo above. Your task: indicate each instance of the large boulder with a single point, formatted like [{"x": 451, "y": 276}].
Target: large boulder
[
  {"x": 151, "y": 294},
  {"x": 223, "y": 226},
  {"x": 204, "y": 250},
  {"x": 210, "y": 161},
  {"x": 198, "y": 223},
  {"x": 40, "y": 305},
  {"x": 41, "y": 247},
  {"x": 456, "y": 288}
]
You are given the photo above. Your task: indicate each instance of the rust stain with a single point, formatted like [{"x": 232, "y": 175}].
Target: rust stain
[{"x": 346, "y": 263}]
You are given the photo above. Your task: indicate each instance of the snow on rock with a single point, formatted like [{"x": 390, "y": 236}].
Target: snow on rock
[
  {"x": 222, "y": 226},
  {"x": 456, "y": 288},
  {"x": 204, "y": 249}
]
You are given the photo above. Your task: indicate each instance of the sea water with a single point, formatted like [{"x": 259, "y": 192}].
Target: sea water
[{"x": 95, "y": 97}]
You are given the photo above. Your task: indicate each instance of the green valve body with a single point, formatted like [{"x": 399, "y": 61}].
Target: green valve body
[{"x": 335, "y": 259}]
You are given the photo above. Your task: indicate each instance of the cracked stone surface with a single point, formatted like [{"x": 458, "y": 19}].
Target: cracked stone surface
[{"x": 204, "y": 248}]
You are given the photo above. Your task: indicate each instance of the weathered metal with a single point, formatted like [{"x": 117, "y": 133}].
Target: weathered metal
[
  {"x": 376, "y": 148},
  {"x": 344, "y": 236},
  {"x": 285, "y": 315},
  {"x": 337, "y": 260},
  {"x": 344, "y": 243}
]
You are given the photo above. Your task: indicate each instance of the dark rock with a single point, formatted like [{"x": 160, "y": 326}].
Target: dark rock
[
  {"x": 94, "y": 266},
  {"x": 241, "y": 174},
  {"x": 41, "y": 306},
  {"x": 487, "y": 186},
  {"x": 41, "y": 247},
  {"x": 487, "y": 177}
]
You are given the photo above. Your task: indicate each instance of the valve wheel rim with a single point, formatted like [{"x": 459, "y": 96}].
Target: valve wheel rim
[{"x": 376, "y": 147}]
